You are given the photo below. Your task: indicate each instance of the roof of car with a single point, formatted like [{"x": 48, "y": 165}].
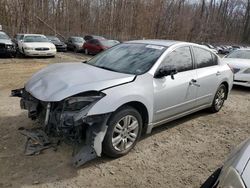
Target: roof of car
[{"x": 166, "y": 43}]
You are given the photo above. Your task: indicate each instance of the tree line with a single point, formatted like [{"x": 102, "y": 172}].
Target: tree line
[{"x": 215, "y": 21}]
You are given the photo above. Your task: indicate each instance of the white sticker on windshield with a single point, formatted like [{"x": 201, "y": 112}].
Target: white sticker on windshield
[{"x": 155, "y": 47}]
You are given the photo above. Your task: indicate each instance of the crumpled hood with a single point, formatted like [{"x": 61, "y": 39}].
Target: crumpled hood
[
  {"x": 39, "y": 45},
  {"x": 59, "y": 81},
  {"x": 237, "y": 63},
  {"x": 6, "y": 41}
]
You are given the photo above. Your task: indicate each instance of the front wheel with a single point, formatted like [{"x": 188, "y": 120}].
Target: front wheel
[
  {"x": 124, "y": 130},
  {"x": 219, "y": 99}
]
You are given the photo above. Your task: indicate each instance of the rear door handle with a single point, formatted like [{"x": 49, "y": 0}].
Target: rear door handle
[
  {"x": 218, "y": 73},
  {"x": 194, "y": 82}
]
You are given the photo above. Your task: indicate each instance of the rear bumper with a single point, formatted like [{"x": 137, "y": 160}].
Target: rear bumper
[
  {"x": 242, "y": 83},
  {"x": 61, "y": 48}
]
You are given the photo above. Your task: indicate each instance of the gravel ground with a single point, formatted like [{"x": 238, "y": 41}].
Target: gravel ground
[{"x": 182, "y": 153}]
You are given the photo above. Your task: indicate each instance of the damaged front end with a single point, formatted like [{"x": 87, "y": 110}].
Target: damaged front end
[{"x": 68, "y": 120}]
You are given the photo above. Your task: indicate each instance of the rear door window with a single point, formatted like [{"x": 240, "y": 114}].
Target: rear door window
[{"x": 204, "y": 58}]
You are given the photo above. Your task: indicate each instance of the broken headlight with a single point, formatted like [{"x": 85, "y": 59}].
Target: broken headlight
[{"x": 79, "y": 102}]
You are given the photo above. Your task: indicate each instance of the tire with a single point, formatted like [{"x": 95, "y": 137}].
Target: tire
[
  {"x": 86, "y": 51},
  {"x": 75, "y": 50},
  {"x": 219, "y": 99},
  {"x": 120, "y": 139}
]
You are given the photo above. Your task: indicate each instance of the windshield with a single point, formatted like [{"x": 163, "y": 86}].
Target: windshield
[
  {"x": 128, "y": 58},
  {"x": 78, "y": 39},
  {"x": 240, "y": 54},
  {"x": 55, "y": 39},
  {"x": 35, "y": 38},
  {"x": 3, "y": 36},
  {"x": 109, "y": 43}
]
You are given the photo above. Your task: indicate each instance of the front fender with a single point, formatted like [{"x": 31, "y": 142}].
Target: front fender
[{"x": 120, "y": 95}]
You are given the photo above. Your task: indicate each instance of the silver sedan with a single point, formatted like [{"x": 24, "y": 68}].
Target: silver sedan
[{"x": 129, "y": 88}]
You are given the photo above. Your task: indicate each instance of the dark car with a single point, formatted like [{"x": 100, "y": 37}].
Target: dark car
[
  {"x": 225, "y": 50},
  {"x": 7, "y": 47},
  {"x": 90, "y": 37},
  {"x": 60, "y": 46},
  {"x": 75, "y": 43},
  {"x": 95, "y": 46}
]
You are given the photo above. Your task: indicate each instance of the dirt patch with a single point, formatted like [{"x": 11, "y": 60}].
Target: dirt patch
[{"x": 182, "y": 153}]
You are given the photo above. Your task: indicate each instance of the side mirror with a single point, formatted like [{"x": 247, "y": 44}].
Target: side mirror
[{"x": 166, "y": 71}]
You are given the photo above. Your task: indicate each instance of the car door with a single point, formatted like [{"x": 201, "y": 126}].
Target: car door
[
  {"x": 208, "y": 75},
  {"x": 173, "y": 96}
]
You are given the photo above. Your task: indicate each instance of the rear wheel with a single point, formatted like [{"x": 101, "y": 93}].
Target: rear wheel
[
  {"x": 124, "y": 130},
  {"x": 219, "y": 99}
]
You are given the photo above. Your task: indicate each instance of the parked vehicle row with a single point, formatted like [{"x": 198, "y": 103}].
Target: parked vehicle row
[
  {"x": 41, "y": 45},
  {"x": 223, "y": 49}
]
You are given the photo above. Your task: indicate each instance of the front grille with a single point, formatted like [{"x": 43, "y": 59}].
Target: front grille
[
  {"x": 2, "y": 46},
  {"x": 236, "y": 70},
  {"x": 41, "y": 49}
]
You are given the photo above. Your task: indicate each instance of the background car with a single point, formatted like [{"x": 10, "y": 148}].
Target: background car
[
  {"x": 7, "y": 47},
  {"x": 36, "y": 45},
  {"x": 95, "y": 46},
  {"x": 60, "y": 46},
  {"x": 239, "y": 61},
  {"x": 89, "y": 37},
  {"x": 75, "y": 43},
  {"x": 131, "y": 87},
  {"x": 224, "y": 50},
  {"x": 235, "y": 171},
  {"x": 211, "y": 47},
  {"x": 16, "y": 38}
]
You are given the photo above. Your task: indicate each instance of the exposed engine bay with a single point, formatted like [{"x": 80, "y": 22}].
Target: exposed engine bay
[{"x": 67, "y": 121}]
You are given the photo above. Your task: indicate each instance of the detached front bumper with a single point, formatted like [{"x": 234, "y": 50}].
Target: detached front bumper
[{"x": 85, "y": 133}]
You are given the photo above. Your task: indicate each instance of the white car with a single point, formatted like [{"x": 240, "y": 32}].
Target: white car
[
  {"x": 239, "y": 61},
  {"x": 36, "y": 45}
]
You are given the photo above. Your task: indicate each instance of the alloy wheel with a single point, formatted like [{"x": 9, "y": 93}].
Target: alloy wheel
[{"x": 125, "y": 133}]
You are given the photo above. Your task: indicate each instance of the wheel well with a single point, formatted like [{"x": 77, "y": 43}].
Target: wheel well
[
  {"x": 227, "y": 87},
  {"x": 141, "y": 108}
]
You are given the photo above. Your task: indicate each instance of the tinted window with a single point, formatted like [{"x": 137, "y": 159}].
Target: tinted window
[
  {"x": 179, "y": 59},
  {"x": 204, "y": 58}
]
